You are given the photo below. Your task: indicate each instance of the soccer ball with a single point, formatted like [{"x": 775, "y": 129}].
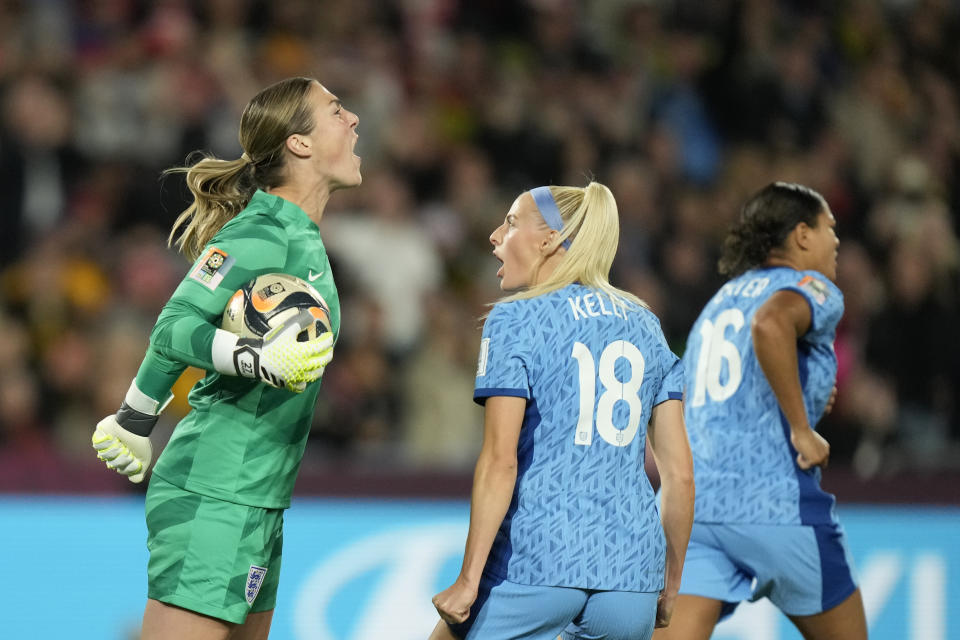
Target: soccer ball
[{"x": 268, "y": 300}]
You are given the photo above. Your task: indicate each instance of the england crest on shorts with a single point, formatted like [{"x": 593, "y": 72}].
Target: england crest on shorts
[{"x": 254, "y": 581}]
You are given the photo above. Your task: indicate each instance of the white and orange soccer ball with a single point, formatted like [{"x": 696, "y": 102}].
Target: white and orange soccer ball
[{"x": 268, "y": 300}]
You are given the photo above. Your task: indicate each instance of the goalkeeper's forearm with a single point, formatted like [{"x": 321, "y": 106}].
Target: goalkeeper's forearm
[{"x": 279, "y": 358}]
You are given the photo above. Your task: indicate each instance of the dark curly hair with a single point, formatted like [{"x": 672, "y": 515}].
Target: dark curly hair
[{"x": 766, "y": 220}]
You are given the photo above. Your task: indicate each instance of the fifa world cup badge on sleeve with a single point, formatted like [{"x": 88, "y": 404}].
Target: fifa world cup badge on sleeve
[
  {"x": 212, "y": 267},
  {"x": 815, "y": 288},
  {"x": 254, "y": 581}
]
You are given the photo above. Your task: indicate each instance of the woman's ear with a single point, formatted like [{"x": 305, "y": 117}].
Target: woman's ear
[
  {"x": 801, "y": 234},
  {"x": 298, "y": 145},
  {"x": 549, "y": 242}
]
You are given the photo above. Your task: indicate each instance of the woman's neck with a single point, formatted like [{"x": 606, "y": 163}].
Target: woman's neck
[
  {"x": 546, "y": 268},
  {"x": 783, "y": 259},
  {"x": 312, "y": 201}
]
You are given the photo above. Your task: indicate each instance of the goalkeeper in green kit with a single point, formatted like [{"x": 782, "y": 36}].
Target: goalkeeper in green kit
[{"x": 215, "y": 501}]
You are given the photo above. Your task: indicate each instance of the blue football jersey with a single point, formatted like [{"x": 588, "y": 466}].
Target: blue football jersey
[
  {"x": 744, "y": 465},
  {"x": 583, "y": 513}
]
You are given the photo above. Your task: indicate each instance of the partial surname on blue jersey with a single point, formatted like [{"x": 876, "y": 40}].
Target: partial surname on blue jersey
[
  {"x": 594, "y": 305},
  {"x": 740, "y": 287}
]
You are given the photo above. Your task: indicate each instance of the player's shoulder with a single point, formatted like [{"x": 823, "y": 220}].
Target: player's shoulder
[
  {"x": 818, "y": 282},
  {"x": 642, "y": 313},
  {"x": 252, "y": 232},
  {"x": 511, "y": 310},
  {"x": 650, "y": 327},
  {"x": 512, "y": 332},
  {"x": 521, "y": 318},
  {"x": 813, "y": 285},
  {"x": 251, "y": 219}
]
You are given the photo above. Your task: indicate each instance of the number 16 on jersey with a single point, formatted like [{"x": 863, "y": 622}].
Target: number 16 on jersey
[
  {"x": 715, "y": 349},
  {"x": 614, "y": 390}
]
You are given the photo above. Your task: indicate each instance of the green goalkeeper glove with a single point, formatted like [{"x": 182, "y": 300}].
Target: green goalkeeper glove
[
  {"x": 278, "y": 358},
  {"x": 122, "y": 440}
]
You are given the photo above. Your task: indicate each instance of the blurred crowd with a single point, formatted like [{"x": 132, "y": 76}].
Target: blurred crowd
[{"x": 683, "y": 108}]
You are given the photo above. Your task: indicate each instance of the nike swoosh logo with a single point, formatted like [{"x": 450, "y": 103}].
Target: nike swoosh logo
[{"x": 311, "y": 276}]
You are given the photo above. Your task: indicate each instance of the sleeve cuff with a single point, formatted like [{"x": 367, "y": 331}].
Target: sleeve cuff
[
  {"x": 139, "y": 401},
  {"x": 224, "y": 344},
  {"x": 480, "y": 395}
]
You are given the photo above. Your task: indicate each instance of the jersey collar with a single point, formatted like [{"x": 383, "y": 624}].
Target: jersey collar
[{"x": 286, "y": 211}]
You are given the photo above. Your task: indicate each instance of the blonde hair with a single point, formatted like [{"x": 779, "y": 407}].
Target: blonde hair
[
  {"x": 222, "y": 188},
  {"x": 591, "y": 221}
]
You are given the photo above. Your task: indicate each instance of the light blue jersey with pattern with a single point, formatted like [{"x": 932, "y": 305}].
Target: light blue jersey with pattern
[
  {"x": 744, "y": 465},
  {"x": 583, "y": 512}
]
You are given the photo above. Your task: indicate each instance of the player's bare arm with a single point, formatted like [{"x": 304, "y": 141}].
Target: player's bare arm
[
  {"x": 493, "y": 482},
  {"x": 671, "y": 451},
  {"x": 776, "y": 327}
]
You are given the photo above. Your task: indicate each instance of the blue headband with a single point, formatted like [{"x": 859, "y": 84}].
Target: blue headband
[{"x": 548, "y": 209}]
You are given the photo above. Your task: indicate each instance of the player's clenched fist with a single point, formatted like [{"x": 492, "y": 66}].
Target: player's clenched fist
[
  {"x": 812, "y": 449},
  {"x": 453, "y": 603},
  {"x": 126, "y": 453}
]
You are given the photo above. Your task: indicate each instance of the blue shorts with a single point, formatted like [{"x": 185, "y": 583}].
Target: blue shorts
[
  {"x": 802, "y": 569},
  {"x": 509, "y": 611}
]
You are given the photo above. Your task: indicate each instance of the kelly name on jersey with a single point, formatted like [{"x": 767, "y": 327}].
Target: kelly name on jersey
[{"x": 594, "y": 305}]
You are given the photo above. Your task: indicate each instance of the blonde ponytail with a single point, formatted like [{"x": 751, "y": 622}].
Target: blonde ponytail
[
  {"x": 221, "y": 189},
  {"x": 591, "y": 221}
]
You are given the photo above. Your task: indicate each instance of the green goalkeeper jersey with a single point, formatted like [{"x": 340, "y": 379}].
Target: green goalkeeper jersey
[{"x": 244, "y": 440}]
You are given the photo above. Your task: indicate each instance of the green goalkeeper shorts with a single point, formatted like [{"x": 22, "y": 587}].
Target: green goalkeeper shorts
[{"x": 210, "y": 556}]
